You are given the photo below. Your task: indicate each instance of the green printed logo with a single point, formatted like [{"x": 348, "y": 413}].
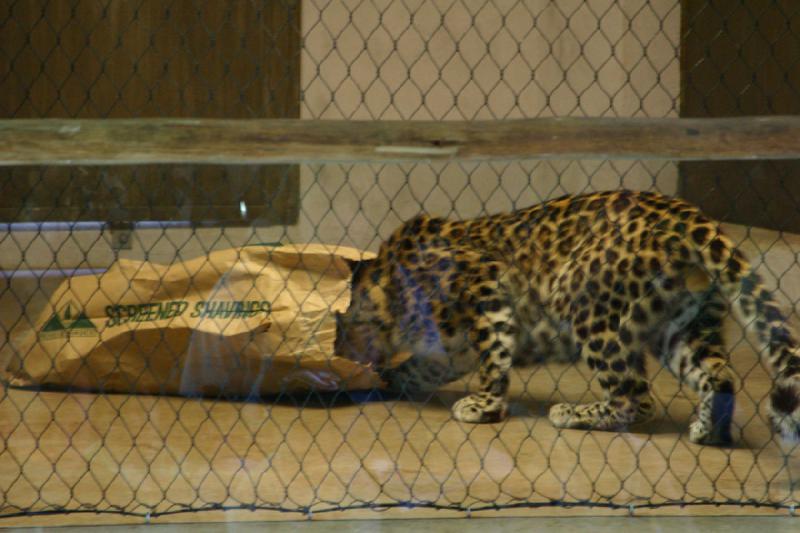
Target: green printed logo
[
  {"x": 118, "y": 315},
  {"x": 70, "y": 321}
]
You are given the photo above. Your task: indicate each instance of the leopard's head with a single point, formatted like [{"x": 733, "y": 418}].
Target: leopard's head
[{"x": 363, "y": 331}]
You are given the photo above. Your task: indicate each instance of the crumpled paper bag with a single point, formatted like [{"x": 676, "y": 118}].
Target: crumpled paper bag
[{"x": 238, "y": 322}]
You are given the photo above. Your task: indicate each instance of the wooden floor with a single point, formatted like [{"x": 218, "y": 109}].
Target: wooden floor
[
  {"x": 141, "y": 454},
  {"x": 150, "y": 454}
]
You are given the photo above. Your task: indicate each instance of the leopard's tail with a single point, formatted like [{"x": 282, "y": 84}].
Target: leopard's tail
[{"x": 754, "y": 306}]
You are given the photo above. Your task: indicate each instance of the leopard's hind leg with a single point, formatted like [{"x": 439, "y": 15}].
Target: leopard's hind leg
[{"x": 697, "y": 357}]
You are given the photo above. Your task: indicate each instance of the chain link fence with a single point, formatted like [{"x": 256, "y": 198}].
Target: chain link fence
[{"x": 67, "y": 449}]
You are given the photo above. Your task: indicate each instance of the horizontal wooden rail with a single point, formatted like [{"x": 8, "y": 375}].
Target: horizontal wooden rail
[{"x": 147, "y": 141}]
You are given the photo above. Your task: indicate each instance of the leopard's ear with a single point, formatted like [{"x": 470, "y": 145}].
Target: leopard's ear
[{"x": 358, "y": 268}]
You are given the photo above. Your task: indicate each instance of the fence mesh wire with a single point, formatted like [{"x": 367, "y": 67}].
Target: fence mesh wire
[{"x": 69, "y": 450}]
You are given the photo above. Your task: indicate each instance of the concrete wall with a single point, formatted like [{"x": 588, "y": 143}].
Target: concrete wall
[
  {"x": 504, "y": 60},
  {"x": 448, "y": 60},
  {"x": 443, "y": 60}
]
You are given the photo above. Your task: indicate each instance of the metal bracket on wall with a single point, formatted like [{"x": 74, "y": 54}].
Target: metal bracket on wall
[{"x": 121, "y": 235}]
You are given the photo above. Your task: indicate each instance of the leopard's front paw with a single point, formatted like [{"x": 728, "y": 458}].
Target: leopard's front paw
[
  {"x": 562, "y": 415},
  {"x": 480, "y": 409},
  {"x": 566, "y": 416}
]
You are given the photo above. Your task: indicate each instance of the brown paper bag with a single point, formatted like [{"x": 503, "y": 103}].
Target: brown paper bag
[{"x": 256, "y": 320}]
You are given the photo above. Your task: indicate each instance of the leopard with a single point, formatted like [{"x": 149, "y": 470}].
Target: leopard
[{"x": 612, "y": 279}]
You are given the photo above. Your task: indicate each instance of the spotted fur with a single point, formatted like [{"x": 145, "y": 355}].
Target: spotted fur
[{"x": 606, "y": 278}]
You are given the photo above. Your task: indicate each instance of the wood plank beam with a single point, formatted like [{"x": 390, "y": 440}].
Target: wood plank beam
[{"x": 268, "y": 141}]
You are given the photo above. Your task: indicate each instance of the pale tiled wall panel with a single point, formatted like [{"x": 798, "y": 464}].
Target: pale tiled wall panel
[{"x": 440, "y": 60}]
